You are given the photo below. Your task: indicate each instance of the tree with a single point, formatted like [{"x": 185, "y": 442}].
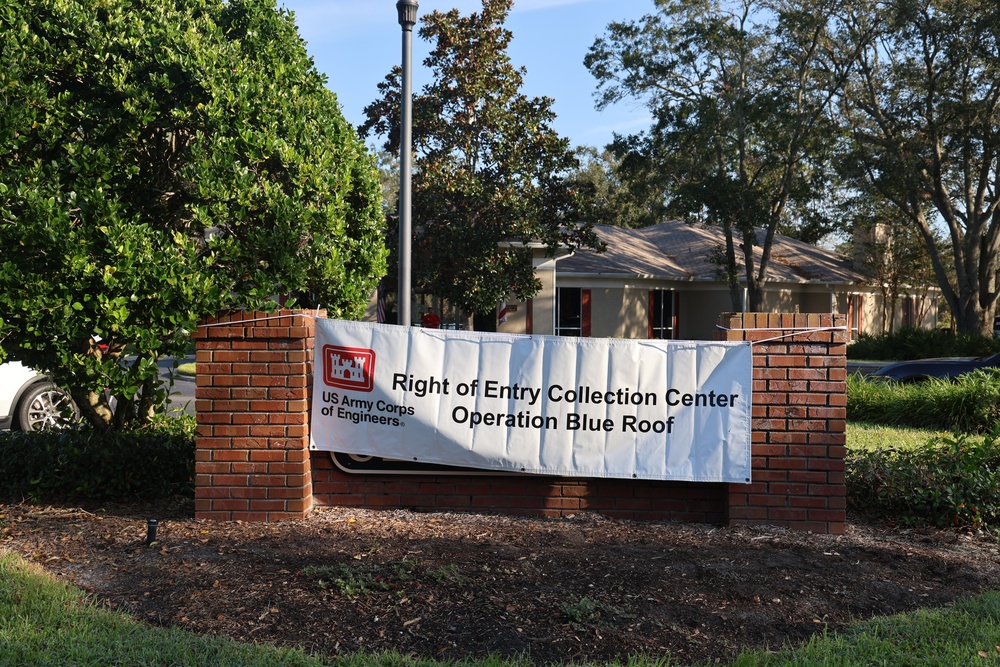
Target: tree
[
  {"x": 161, "y": 161},
  {"x": 891, "y": 252},
  {"x": 923, "y": 108},
  {"x": 489, "y": 169},
  {"x": 740, "y": 93},
  {"x": 626, "y": 194}
]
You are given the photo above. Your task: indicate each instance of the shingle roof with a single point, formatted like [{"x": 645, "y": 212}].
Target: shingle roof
[{"x": 675, "y": 250}]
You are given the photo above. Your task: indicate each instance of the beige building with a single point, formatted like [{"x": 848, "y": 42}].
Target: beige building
[{"x": 661, "y": 282}]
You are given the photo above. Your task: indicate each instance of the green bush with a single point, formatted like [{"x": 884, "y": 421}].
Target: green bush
[
  {"x": 970, "y": 403},
  {"x": 910, "y": 343},
  {"x": 950, "y": 481},
  {"x": 154, "y": 462}
]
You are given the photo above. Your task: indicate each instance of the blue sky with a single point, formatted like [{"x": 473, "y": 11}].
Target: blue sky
[{"x": 356, "y": 42}]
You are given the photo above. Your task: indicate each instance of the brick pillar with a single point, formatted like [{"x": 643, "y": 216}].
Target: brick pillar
[
  {"x": 252, "y": 398},
  {"x": 799, "y": 421}
]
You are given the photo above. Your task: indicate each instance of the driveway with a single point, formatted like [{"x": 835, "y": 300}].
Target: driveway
[{"x": 182, "y": 393}]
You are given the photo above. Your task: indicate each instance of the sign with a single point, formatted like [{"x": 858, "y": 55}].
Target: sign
[{"x": 584, "y": 407}]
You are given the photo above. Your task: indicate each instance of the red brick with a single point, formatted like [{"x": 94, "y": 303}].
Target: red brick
[
  {"x": 267, "y": 431},
  {"x": 786, "y": 412},
  {"x": 806, "y": 425},
  {"x": 827, "y": 490},
  {"x": 212, "y": 393},
  {"x": 229, "y": 455},
  {"x": 270, "y": 381},
  {"x": 818, "y": 374},
  {"x": 808, "y": 399},
  {"x": 788, "y": 386},
  {"x": 231, "y": 505},
  {"x": 807, "y": 476},
  {"x": 230, "y": 480},
  {"x": 827, "y": 515},
  {"x": 771, "y": 500},
  {"x": 249, "y": 492},
  {"x": 827, "y": 413},
  {"x": 754, "y": 514},
  {"x": 829, "y": 387},
  {"x": 250, "y": 393},
  {"x": 232, "y": 431},
  {"x": 282, "y": 493},
  {"x": 786, "y": 514}
]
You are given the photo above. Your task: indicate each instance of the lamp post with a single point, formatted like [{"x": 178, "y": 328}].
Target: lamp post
[{"x": 407, "y": 10}]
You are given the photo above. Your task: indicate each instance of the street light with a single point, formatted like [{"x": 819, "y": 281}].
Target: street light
[{"x": 407, "y": 10}]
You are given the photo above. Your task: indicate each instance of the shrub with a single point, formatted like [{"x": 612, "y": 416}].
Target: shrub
[
  {"x": 153, "y": 462},
  {"x": 910, "y": 343},
  {"x": 950, "y": 481},
  {"x": 970, "y": 403}
]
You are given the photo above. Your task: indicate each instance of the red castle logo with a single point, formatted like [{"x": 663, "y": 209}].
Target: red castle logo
[{"x": 349, "y": 367}]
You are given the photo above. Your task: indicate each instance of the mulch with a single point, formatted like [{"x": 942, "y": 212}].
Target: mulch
[{"x": 583, "y": 588}]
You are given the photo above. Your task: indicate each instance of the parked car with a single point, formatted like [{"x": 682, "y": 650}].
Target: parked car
[
  {"x": 945, "y": 367},
  {"x": 29, "y": 401}
]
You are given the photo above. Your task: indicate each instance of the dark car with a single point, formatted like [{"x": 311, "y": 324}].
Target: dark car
[{"x": 945, "y": 368}]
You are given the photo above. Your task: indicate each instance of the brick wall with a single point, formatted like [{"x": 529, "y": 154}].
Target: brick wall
[
  {"x": 799, "y": 421},
  {"x": 252, "y": 398},
  {"x": 798, "y": 440}
]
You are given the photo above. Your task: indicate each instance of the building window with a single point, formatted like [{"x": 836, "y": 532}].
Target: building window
[
  {"x": 855, "y": 315},
  {"x": 909, "y": 311},
  {"x": 661, "y": 314},
  {"x": 572, "y": 311}
]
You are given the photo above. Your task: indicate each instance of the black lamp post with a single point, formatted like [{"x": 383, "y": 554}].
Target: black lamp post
[{"x": 407, "y": 10}]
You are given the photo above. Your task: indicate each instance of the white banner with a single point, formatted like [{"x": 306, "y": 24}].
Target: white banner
[{"x": 584, "y": 407}]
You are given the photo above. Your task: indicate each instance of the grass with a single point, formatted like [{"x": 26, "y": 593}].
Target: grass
[
  {"x": 45, "y": 622},
  {"x": 869, "y": 437},
  {"x": 965, "y": 634}
]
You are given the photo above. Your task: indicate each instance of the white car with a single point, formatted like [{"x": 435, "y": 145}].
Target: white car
[{"x": 30, "y": 402}]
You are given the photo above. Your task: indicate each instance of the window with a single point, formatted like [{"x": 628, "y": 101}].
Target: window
[
  {"x": 909, "y": 311},
  {"x": 855, "y": 314},
  {"x": 572, "y": 311},
  {"x": 661, "y": 314}
]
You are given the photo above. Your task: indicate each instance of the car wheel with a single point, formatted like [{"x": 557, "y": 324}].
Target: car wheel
[{"x": 45, "y": 407}]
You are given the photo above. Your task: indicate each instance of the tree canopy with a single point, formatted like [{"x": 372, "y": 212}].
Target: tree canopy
[
  {"x": 489, "y": 169},
  {"x": 160, "y": 161},
  {"x": 923, "y": 109},
  {"x": 740, "y": 93}
]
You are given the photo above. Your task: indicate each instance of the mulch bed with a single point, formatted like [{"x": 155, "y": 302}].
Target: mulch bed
[{"x": 584, "y": 588}]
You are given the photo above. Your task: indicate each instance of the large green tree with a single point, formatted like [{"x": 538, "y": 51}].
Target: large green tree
[
  {"x": 628, "y": 192},
  {"x": 489, "y": 169},
  {"x": 740, "y": 93},
  {"x": 161, "y": 160},
  {"x": 923, "y": 107}
]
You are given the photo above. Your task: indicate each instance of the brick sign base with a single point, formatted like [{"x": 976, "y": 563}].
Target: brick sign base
[{"x": 253, "y": 461}]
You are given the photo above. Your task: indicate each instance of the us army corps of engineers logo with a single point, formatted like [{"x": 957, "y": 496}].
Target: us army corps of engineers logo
[{"x": 349, "y": 367}]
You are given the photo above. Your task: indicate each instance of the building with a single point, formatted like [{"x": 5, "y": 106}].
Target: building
[{"x": 663, "y": 282}]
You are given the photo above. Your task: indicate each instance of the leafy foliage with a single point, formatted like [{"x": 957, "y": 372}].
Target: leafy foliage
[
  {"x": 970, "y": 403},
  {"x": 742, "y": 135},
  {"x": 892, "y": 253},
  {"x": 155, "y": 462},
  {"x": 922, "y": 107},
  {"x": 912, "y": 343},
  {"x": 161, "y": 161},
  {"x": 951, "y": 481},
  {"x": 490, "y": 170},
  {"x": 627, "y": 192}
]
